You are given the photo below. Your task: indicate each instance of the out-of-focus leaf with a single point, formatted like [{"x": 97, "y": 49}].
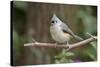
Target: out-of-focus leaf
[
  {"x": 64, "y": 57},
  {"x": 17, "y": 41},
  {"x": 69, "y": 54},
  {"x": 21, "y": 5},
  {"x": 57, "y": 61},
  {"x": 70, "y": 61},
  {"x": 94, "y": 45},
  {"x": 92, "y": 56},
  {"x": 90, "y": 52},
  {"x": 88, "y": 20}
]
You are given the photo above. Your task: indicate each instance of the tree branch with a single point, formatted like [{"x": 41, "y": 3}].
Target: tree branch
[
  {"x": 84, "y": 42},
  {"x": 69, "y": 47}
]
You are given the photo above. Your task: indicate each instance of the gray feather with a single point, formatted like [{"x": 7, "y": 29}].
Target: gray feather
[{"x": 66, "y": 29}]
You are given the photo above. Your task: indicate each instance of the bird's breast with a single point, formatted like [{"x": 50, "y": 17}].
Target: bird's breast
[{"x": 58, "y": 35}]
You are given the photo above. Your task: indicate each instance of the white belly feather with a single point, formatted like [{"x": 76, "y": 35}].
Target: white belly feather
[{"x": 58, "y": 35}]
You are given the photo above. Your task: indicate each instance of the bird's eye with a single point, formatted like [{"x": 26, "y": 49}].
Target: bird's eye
[{"x": 53, "y": 22}]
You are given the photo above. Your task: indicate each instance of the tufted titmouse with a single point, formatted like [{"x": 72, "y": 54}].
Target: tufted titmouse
[{"x": 60, "y": 32}]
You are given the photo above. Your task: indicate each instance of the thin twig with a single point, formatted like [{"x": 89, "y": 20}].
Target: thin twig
[
  {"x": 71, "y": 46},
  {"x": 91, "y": 35},
  {"x": 84, "y": 42}
]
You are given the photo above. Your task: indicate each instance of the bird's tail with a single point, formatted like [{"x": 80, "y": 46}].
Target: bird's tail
[{"x": 78, "y": 38}]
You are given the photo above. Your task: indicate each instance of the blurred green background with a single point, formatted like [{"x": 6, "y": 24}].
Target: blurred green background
[{"x": 31, "y": 20}]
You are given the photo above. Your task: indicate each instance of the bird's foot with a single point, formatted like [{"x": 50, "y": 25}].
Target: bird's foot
[{"x": 68, "y": 46}]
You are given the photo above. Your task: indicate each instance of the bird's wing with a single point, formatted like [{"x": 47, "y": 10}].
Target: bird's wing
[{"x": 66, "y": 29}]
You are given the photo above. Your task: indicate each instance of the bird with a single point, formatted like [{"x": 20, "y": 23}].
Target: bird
[{"x": 60, "y": 31}]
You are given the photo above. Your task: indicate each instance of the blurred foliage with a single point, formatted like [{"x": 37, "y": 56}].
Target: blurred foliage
[
  {"x": 18, "y": 22},
  {"x": 20, "y": 5},
  {"x": 64, "y": 57},
  {"x": 17, "y": 47},
  {"x": 85, "y": 14},
  {"x": 34, "y": 16}
]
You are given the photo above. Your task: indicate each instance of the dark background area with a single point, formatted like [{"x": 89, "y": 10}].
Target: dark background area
[{"x": 31, "y": 20}]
